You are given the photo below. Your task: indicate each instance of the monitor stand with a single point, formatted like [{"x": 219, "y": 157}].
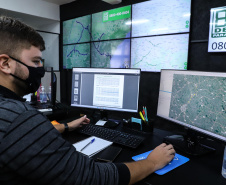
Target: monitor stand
[
  {"x": 103, "y": 115},
  {"x": 190, "y": 143},
  {"x": 99, "y": 115}
]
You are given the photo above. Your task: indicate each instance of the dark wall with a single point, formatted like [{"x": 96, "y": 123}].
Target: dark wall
[{"x": 198, "y": 59}]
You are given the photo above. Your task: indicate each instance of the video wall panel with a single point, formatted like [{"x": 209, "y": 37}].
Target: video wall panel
[
  {"x": 76, "y": 55},
  {"x": 77, "y": 30},
  {"x": 160, "y": 52},
  {"x": 157, "y": 17},
  {"x": 111, "y": 54},
  {"x": 105, "y": 27}
]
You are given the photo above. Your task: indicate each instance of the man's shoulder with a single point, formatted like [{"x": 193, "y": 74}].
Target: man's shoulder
[
  {"x": 14, "y": 105},
  {"x": 10, "y": 111}
]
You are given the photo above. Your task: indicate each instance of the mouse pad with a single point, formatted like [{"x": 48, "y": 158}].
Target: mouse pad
[{"x": 177, "y": 161}]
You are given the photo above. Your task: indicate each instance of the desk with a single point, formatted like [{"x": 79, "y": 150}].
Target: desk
[{"x": 201, "y": 170}]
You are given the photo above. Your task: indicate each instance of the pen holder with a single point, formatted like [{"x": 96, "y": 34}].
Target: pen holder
[
  {"x": 148, "y": 126},
  {"x": 135, "y": 126}
]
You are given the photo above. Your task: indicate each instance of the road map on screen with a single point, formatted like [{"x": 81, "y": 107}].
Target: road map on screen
[
  {"x": 158, "y": 17},
  {"x": 77, "y": 55},
  {"x": 111, "y": 24},
  {"x": 111, "y": 54},
  {"x": 160, "y": 52},
  {"x": 77, "y": 30}
]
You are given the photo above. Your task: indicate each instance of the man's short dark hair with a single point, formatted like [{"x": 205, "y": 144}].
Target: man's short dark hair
[{"x": 16, "y": 36}]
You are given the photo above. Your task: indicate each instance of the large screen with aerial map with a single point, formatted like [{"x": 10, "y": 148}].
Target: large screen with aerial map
[
  {"x": 194, "y": 99},
  {"x": 150, "y": 35}
]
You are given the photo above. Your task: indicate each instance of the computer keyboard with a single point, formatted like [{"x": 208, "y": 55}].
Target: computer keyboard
[{"x": 114, "y": 136}]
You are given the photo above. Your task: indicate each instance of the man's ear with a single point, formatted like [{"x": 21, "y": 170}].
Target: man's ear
[{"x": 5, "y": 65}]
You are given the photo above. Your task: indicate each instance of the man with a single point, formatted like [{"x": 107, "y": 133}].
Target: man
[{"x": 32, "y": 151}]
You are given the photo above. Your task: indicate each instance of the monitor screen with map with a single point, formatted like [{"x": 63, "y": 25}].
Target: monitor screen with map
[
  {"x": 157, "y": 17},
  {"x": 111, "y": 27},
  {"x": 111, "y": 54},
  {"x": 76, "y": 55},
  {"x": 196, "y": 100},
  {"x": 149, "y": 53},
  {"x": 77, "y": 30}
]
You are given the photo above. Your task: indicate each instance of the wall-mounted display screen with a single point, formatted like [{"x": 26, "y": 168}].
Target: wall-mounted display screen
[
  {"x": 77, "y": 55},
  {"x": 77, "y": 30},
  {"x": 158, "y": 17},
  {"x": 150, "y": 35},
  {"x": 111, "y": 54},
  {"x": 160, "y": 52},
  {"x": 112, "y": 24}
]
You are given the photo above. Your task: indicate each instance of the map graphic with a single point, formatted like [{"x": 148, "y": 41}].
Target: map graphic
[
  {"x": 158, "y": 17},
  {"x": 76, "y": 30},
  {"x": 193, "y": 93},
  {"x": 109, "y": 30},
  {"x": 76, "y": 56},
  {"x": 160, "y": 52},
  {"x": 111, "y": 54}
]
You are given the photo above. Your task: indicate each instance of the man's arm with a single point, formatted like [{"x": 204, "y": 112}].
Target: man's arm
[
  {"x": 73, "y": 124},
  {"x": 33, "y": 151},
  {"x": 157, "y": 159}
]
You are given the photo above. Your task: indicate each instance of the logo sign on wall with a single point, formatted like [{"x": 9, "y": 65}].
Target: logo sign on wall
[{"x": 217, "y": 30}]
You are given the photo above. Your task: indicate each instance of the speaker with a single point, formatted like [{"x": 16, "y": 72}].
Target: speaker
[{"x": 112, "y": 1}]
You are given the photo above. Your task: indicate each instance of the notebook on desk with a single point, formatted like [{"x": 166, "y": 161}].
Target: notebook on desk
[{"x": 96, "y": 146}]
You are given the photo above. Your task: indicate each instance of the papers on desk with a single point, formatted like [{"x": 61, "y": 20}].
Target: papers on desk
[
  {"x": 100, "y": 123},
  {"x": 97, "y": 146}
]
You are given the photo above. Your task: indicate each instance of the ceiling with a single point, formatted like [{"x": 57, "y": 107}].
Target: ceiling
[{"x": 36, "y": 22}]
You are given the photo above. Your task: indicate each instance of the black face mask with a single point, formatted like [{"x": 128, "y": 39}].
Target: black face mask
[{"x": 34, "y": 79}]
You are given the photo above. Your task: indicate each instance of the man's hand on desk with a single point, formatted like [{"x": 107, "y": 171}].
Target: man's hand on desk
[
  {"x": 156, "y": 160},
  {"x": 78, "y": 123},
  {"x": 72, "y": 125}
]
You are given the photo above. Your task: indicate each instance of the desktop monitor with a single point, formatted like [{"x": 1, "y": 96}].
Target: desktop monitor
[
  {"x": 197, "y": 101},
  {"x": 105, "y": 88}
]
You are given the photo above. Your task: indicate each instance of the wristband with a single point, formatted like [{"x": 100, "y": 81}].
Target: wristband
[{"x": 66, "y": 129}]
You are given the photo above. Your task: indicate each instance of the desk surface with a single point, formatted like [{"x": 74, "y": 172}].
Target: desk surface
[{"x": 200, "y": 170}]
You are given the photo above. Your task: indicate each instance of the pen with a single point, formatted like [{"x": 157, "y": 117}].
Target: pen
[
  {"x": 88, "y": 144},
  {"x": 141, "y": 115},
  {"x": 146, "y": 113},
  {"x": 143, "y": 111}
]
